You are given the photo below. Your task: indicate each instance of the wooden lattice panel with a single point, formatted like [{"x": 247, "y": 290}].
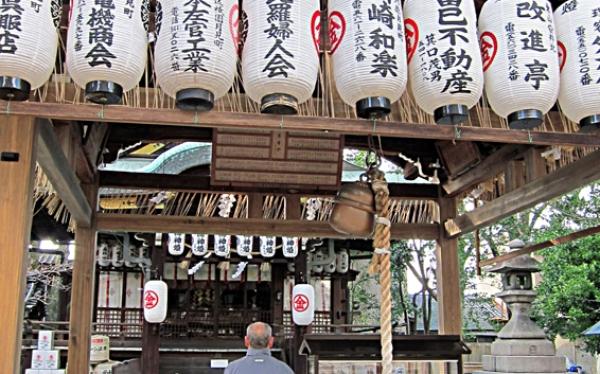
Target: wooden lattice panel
[{"x": 276, "y": 158}]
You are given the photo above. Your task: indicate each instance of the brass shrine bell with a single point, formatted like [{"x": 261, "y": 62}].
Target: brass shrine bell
[{"x": 354, "y": 213}]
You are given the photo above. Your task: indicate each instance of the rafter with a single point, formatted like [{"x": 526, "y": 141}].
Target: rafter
[
  {"x": 123, "y": 114},
  {"x": 563, "y": 180}
]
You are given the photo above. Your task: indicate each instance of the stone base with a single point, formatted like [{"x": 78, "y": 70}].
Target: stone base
[
  {"x": 524, "y": 364},
  {"x": 523, "y": 347}
]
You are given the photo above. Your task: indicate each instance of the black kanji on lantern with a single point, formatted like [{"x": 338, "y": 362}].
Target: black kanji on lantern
[
  {"x": 382, "y": 13},
  {"x": 100, "y": 36},
  {"x": 379, "y": 39},
  {"x": 195, "y": 22},
  {"x": 531, "y": 10},
  {"x": 533, "y": 41},
  {"x": 458, "y": 82},
  {"x": 537, "y": 73},
  {"x": 384, "y": 64},
  {"x": 280, "y": 28},
  {"x": 383, "y": 40},
  {"x": 10, "y": 25}
]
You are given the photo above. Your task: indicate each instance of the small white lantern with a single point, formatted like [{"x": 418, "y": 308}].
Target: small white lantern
[
  {"x": 104, "y": 254},
  {"x": 578, "y": 33},
  {"x": 176, "y": 245},
  {"x": 222, "y": 245},
  {"x": 107, "y": 47},
  {"x": 290, "y": 247},
  {"x": 342, "y": 260},
  {"x": 303, "y": 304},
  {"x": 199, "y": 244},
  {"x": 267, "y": 246},
  {"x": 28, "y": 44},
  {"x": 368, "y": 51},
  {"x": 280, "y": 60},
  {"x": 196, "y": 50},
  {"x": 117, "y": 259},
  {"x": 244, "y": 245},
  {"x": 155, "y": 301},
  {"x": 444, "y": 61},
  {"x": 520, "y": 62}
]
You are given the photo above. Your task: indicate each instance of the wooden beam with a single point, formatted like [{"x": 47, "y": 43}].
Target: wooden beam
[
  {"x": 188, "y": 183},
  {"x": 246, "y": 121},
  {"x": 236, "y": 226},
  {"x": 17, "y": 165},
  {"x": 543, "y": 245},
  {"x": 58, "y": 170},
  {"x": 82, "y": 293},
  {"x": 563, "y": 180},
  {"x": 488, "y": 168},
  {"x": 95, "y": 139},
  {"x": 448, "y": 290}
]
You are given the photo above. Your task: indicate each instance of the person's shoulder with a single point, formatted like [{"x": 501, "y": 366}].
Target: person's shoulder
[
  {"x": 282, "y": 366},
  {"x": 233, "y": 365}
]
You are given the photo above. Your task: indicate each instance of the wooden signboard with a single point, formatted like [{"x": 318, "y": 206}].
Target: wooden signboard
[{"x": 276, "y": 158}]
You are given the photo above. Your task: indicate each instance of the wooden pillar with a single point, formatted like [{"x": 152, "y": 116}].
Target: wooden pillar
[
  {"x": 339, "y": 302},
  {"x": 17, "y": 147},
  {"x": 300, "y": 277},
  {"x": 82, "y": 292},
  {"x": 150, "y": 333},
  {"x": 277, "y": 280},
  {"x": 450, "y": 318}
]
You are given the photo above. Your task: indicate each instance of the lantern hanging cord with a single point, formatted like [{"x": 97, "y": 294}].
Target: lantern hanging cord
[
  {"x": 529, "y": 137},
  {"x": 381, "y": 262},
  {"x": 7, "y": 111},
  {"x": 101, "y": 112},
  {"x": 196, "y": 119}
]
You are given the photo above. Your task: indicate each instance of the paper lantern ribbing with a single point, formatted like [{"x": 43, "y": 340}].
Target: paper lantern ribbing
[
  {"x": 280, "y": 60},
  {"x": 368, "y": 51},
  {"x": 446, "y": 76},
  {"x": 155, "y": 301},
  {"x": 578, "y": 37},
  {"x": 197, "y": 64},
  {"x": 28, "y": 45},
  {"x": 107, "y": 47},
  {"x": 303, "y": 304},
  {"x": 520, "y": 64}
]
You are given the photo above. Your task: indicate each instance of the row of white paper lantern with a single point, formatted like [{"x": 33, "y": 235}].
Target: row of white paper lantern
[
  {"x": 222, "y": 245},
  {"x": 196, "y": 60}
]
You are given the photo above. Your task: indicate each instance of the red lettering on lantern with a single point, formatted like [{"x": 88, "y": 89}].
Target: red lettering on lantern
[
  {"x": 562, "y": 55},
  {"x": 412, "y": 37},
  {"x": 489, "y": 49},
  {"x": 234, "y": 25},
  {"x": 337, "y": 29},
  {"x": 150, "y": 299},
  {"x": 301, "y": 303}
]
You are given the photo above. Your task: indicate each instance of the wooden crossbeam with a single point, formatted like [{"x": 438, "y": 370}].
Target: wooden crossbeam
[
  {"x": 543, "y": 245},
  {"x": 189, "y": 183},
  {"x": 235, "y": 226},
  {"x": 488, "y": 168},
  {"x": 563, "y": 180},
  {"x": 58, "y": 170},
  {"x": 124, "y": 114}
]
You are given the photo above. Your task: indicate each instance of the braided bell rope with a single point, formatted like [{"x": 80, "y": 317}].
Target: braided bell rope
[{"x": 381, "y": 264}]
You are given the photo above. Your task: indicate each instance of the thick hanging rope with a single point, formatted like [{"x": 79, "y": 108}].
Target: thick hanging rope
[{"x": 381, "y": 263}]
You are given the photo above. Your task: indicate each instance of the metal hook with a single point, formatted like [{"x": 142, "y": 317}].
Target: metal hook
[
  {"x": 374, "y": 125},
  {"x": 7, "y": 111},
  {"x": 195, "y": 119},
  {"x": 101, "y": 112},
  {"x": 529, "y": 137},
  {"x": 457, "y": 133},
  {"x": 281, "y": 123}
]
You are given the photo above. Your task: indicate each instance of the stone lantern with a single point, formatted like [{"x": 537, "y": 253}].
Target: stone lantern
[{"x": 521, "y": 346}]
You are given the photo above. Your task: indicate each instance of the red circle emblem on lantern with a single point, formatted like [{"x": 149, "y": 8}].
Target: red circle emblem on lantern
[
  {"x": 412, "y": 37},
  {"x": 150, "y": 299},
  {"x": 315, "y": 26},
  {"x": 234, "y": 25},
  {"x": 489, "y": 49},
  {"x": 337, "y": 29},
  {"x": 301, "y": 303},
  {"x": 562, "y": 55}
]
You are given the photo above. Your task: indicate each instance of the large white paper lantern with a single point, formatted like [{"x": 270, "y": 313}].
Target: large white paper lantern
[
  {"x": 303, "y": 304},
  {"x": 280, "y": 60},
  {"x": 368, "y": 51},
  {"x": 28, "y": 44},
  {"x": 444, "y": 60},
  {"x": 196, "y": 50},
  {"x": 155, "y": 301},
  {"x": 107, "y": 47},
  {"x": 520, "y": 63},
  {"x": 578, "y": 34}
]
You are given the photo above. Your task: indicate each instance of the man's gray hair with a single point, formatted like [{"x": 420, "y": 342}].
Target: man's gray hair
[{"x": 258, "y": 334}]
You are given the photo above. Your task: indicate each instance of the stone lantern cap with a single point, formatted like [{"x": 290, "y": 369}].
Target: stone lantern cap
[{"x": 523, "y": 263}]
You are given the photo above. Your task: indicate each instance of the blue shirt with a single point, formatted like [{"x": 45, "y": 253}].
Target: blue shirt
[{"x": 258, "y": 361}]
